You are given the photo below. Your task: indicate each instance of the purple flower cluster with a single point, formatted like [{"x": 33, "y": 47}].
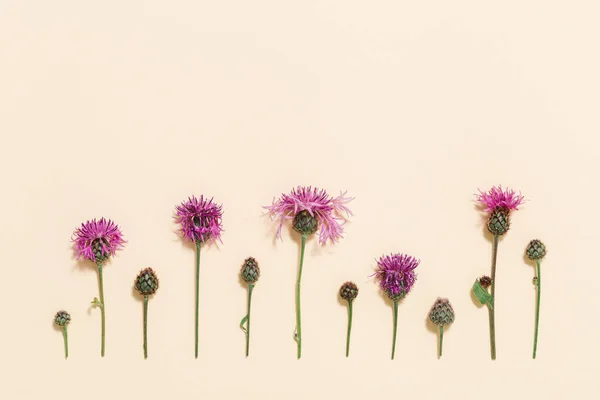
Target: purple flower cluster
[
  {"x": 200, "y": 219},
  {"x": 497, "y": 197},
  {"x": 97, "y": 238},
  {"x": 326, "y": 209},
  {"x": 396, "y": 274}
]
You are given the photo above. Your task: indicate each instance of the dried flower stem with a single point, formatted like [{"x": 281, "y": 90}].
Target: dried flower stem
[
  {"x": 250, "y": 288},
  {"x": 537, "y": 307},
  {"x": 493, "y": 307},
  {"x": 146, "y": 326},
  {"x": 65, "y": 337},
  {"x": 198, "y": 244},
  {"x": 298, "y": 335},
  {"x": 102, "y": 307},
  {"x": 349, "y": 328},
  {"x": 441, "y": 340},
  {"x": 395, "y": 327}
]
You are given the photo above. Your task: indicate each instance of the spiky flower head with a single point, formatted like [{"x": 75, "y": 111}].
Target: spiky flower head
[
  {"x": 200, "y": 219},
  {"x": 441, "y": 313},
  {"x": 62, "y": 318},
  {"x": 485, "y": 281},
  {"x": 310, "y": 208},
  {"x": 536, "y": 250},
  {"x": 349, "y": 291},
  {"x": 146, "y": 282},
  {"x": 396, "y": 274},
  {"x": 499, "y": 203},
  {"x": 250, "y": 271},
  {"x": 97, "y": 240}
]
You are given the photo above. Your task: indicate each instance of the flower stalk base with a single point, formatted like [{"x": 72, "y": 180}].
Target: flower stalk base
[
  {"x": 198, "y": 245},
  {"x": 537, "y": 307},
  {"x": 298, "y": 335}
]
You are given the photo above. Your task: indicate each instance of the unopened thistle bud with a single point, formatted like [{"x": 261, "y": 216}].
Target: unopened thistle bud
[
  {"x": 485, "y": 281},
  {"x": 146, "y": 282},
  {"x": 536, "y": 250},
  {"x": 349, "y": 291},
  {"x": 250, "y": 271}
]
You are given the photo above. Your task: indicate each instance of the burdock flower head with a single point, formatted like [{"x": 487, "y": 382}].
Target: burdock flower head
[
  {"x": 348, "y": 292},
  {"x": 146, "y": 283},
  {"x": 250, "y": 272},
  {"x": 312, "y": 209},
  {"x": 441, "y": 314},
  {"x": 499, "y": 203},
  {"x": 62, "y": 319},
  {"x": 200, "y": 219},
  {"x": 396, "y": 274},
  {"x": 97, "y": 240}
]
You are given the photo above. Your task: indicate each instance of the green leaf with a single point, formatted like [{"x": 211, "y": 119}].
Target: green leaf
[
  {"x": 96, "y": 303},
  {"x": 244, "y": 320},
  {"x": 482, "y": 295}
]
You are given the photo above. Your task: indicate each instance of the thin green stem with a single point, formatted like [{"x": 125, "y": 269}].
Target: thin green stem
[
  {"x": 102, "y": 307},
  {"x": 395, "y": 327},
  {"x": 146, "y": 326},
  {"x": 441, "y": 340},
  {"x": 298, "y": 315},
  {"x": 537, "y": 307},
  {"x": 349, "y": 328},
  {"x": 65, "y": 337},
  {"x": 198, "y": 244},
  {"x": 250, "y": 288},
  {"x": 492, "y": 309}
]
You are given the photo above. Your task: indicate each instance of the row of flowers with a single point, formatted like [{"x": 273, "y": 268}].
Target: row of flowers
[{"x": 310, "y": 211}]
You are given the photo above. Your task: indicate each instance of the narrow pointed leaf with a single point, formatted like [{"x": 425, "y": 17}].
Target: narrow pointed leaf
[
  {"x": 482, "y": 295},
  {"x": 244, "y": 320}
]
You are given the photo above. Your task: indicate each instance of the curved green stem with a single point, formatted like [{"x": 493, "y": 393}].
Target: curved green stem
[
  {"x": 395, "y": 327},
  {"x": 441, "y": 340},
  {"x": 250, "y": 288},
  {"x": 349, "y": 328},
  {"x": 102, "y": 307},
  {"x": 537, "y": 307},
  {"x": 146, "y": 326},
  {"x": 493, "y": 308},
  {"x": 65, "y": 337},
  {"x": 198, "y": 244},
  {"x": 298, "y": 336}
]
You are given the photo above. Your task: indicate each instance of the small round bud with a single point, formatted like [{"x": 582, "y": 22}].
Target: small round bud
[
  {"x": 62, "y": 318},
  {"x": 250, "y": 271},
  {"x": 485, "y": 281},
  {"x": 349, "y": 291},
  {"x": 146, "y": 282},
  {"x": 441, "y": 313},
  {"x": 305, "y": 224},
  {"x": 499, "y": 221},
  {"x": 536, "y": 250}
]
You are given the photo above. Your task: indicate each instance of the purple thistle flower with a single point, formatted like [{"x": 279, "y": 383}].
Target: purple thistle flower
[
  {"x": 200, "y": 219},
  {"x": 497, "y": 197},
  {"x": 97, "y": 240},
  {"x": 396, "y": 274},
  {"x": 327, "y": 210}
]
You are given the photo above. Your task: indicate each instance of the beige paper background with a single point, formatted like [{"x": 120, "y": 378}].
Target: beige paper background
[{"x": 124, "y": 108}]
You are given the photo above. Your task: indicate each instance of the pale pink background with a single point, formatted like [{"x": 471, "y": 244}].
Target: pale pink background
[{"x": 123, "y": 108}]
